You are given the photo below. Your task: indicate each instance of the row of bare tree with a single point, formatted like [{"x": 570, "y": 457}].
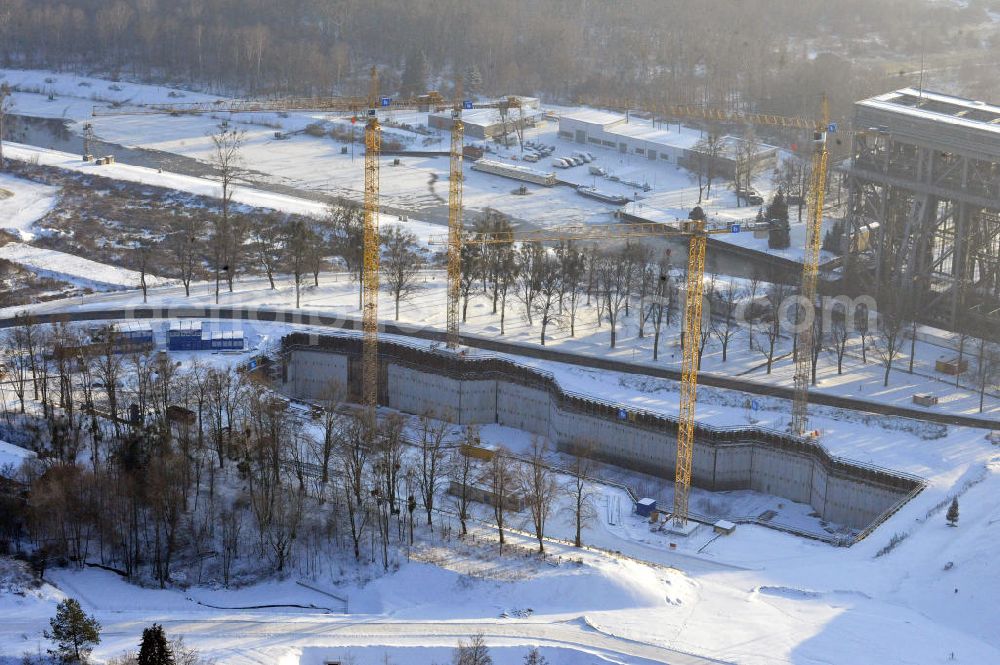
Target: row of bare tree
[{"x": 554, "y": 286}]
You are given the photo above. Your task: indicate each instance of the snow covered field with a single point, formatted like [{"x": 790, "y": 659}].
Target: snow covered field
[
  {"x": 793, "y": 602},
  {"x": 22, "y": 203},
  {"x": 247, "y": 196},
  {"x": 418, "y": 184},
  {"x": 12, "y": 456},
  {"x": 74, "y": 269}
]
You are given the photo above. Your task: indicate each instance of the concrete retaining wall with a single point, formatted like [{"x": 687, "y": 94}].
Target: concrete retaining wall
[
  {"x": 314, "y": 373},
  {"x": 493, "y": 390}
]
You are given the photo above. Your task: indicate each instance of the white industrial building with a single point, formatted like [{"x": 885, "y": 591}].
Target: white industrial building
[{"x": 625, "y": 135}]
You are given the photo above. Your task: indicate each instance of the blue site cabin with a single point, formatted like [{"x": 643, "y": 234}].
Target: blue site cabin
[
  {"x": 645, "y": 507},
  {"x": 190, "y": 336}
]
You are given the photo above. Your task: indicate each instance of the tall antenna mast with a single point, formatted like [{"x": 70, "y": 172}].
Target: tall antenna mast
[{"x": 920, "y": 83}]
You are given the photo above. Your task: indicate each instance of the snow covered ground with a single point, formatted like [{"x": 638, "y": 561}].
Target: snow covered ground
[
  {"x": 22, "y": 203},
  {"x": 794, "y": 602},
  {"x": 306, "y": 162},
  {"x": 914, "y": 592},
  {"x": 248, "y": 196},
  {"x": 756, "y": 597},
  {"x": 74, "y": 269},
  {"x": 11, "y": 456}
]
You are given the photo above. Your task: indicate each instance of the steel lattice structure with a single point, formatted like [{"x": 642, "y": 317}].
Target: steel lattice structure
[
  {"x": 372, "y": 253},
  {"x": 924, "y": 204},
  {"x": 810, "y": 275}
]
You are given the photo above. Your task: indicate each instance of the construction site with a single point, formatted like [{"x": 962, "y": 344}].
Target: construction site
[{"x": 666, "y": 362}]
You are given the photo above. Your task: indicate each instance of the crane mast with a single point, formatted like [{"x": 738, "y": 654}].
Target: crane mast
[
  {"x": 810, "y": 277},
  {"x": 455, "y": 178},
  {"x": 371, "y": 248},
  {"x": 689, "y": 372}
]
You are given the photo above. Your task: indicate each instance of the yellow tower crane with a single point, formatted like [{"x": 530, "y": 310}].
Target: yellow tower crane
[
  {"x": 371, "y": 245},
  {"x": 456, "y": 178},
  {"x": 810, "y": 275}
]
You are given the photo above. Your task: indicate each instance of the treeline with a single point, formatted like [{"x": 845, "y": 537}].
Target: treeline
[
  {"x": 186, "y": 474},
  {"x": 719, "y": 52}
]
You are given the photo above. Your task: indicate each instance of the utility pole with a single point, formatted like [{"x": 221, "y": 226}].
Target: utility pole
[{"x": 4, "y": 106}]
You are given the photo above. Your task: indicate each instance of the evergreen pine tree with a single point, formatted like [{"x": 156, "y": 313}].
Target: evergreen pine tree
[
  {"x": 472, "y": 81},
  {"x": 75, "y": 633},
  {"x": 414, "y": 81},
  {"x": 833, "y": 240},
  {"x": 154, "y": 649},
  {"x": 952, "y": 515},
  {"x": 777, "y": 214}
]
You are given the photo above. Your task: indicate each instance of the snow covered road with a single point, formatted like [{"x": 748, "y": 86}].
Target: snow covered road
[{"x": 248, "y": 635}]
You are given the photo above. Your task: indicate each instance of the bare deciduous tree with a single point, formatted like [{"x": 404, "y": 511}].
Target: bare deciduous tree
[
  {"x": 298, "y": 239},
  {"x": 573, "y": 262},
  {"x": 226, "y": 158},
  {"x": 889, "y": 341},
  {"x": 530, "y": 257},
  {"x": 549, "y": 285},
  {"x": 473, "y": 652},
  {"x": 502, "y": 479},
  {"x": 464, "y": 471},
  {"x": 353, "y": 471},
  {"x": 334, "y": 427},
  {"x": 231, "y": 525},
  {"x": 471, "y": 259},
  {"x": 774, "y": 322},
  {"x": 267, "y": 243},
  {"x": 432, "y": 461},
  {"x": 401, "y": 265},
  {"x": 537, "y": 483},
  {"x": 725, "y": 326},
  {"x": 840, "y": 335},
  {"x": 614, "y": 277},
  {"x": 184, "y": 246},
  {"x": 706, "y": 155},
  {"x": 580, "y": 490},
  {"x": 346, "y": 223}
]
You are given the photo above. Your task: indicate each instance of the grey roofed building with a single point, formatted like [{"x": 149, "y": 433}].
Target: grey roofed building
[{"x": 645, "y": 138}]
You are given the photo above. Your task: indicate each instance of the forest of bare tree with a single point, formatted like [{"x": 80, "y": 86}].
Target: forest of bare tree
[{"x": 751, "y": 53}]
